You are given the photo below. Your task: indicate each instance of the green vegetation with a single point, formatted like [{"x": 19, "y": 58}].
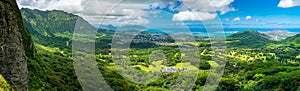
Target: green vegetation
[
  {"x": 4, "y": 86},
  {"x": 253, "y": 62},
  {"x": 248, "y": 39}
]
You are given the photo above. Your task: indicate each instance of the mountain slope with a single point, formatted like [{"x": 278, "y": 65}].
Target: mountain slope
[
  {"x": 55, "y": 28},
  {"x": 15, "y": 46},
  {"x": 291, "y": 41},
  {"x": 248, "y": 39},
  {"x": 52, "y": 28},
  {"x": 52, "y": 68},
  {"x": 49, "y": 23}
]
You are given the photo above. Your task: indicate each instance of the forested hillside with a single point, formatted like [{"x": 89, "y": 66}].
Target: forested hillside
[
  {"x": 248, "y": 39},
  {"x": 253, "y": 61}
]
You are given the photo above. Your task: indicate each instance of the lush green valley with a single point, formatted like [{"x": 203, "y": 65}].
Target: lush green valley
[{"x": 253, "y": 61}]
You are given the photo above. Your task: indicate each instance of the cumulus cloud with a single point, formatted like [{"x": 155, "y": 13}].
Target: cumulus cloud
[
  {"x": 236, "y": 19},
  {"x": 133, "y": 11},
  {"x": 207, "y": 5},
  {"x": 288, "y": 3},
  {"x": 227, "y": 19},
  {"x": 167, "y": 5},
  {"x": 193, "y": 16},
  {"x": 94, "y": 10},
  {"x": 65, "y": 5},
  {"x": 206, "y": 8},
  {"x": 222, "y": 5},
  {"x": 248, "y": 17},
  {"x": 257, "y": 20}
]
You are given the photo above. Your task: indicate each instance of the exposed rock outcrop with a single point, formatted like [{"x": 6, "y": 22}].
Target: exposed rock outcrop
[{"x": 15, "y": 45}]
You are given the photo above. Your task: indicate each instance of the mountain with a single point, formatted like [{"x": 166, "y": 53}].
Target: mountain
[
  {"x": 52, "y": 67},
  {"x": 52, "y": 28},
  {"x": 291, "y": 41},
  {"x": 16, "y": 46},
  {"x": 49, "y": 27},
  {"x": 131, "y": 27},
  {"x": 248, "y": 39},
  {"x": 55, "y": 28},
  {"x": 108, "y": 27},
  {"x": 50, "y": 23},
  {"x": 278, "y": 34}
]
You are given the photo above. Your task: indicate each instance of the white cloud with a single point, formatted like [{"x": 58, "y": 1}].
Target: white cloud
[
  {"x": 236, "y": 19},
  {"x": 222, "y": 5},
  {"x": 203, "y": 9},
  {"x": 130, "y": 11},
  {"x": 208, "y": 5},
  {"x": 193, "y": 16},
  {"x": 288, "y": 3},
  {"x": 257, "y": 20},
  {"x": 65, "y": 5},
  {"x": 123, "y": 17},
  {"x": 248, "y": 17},
  {"x": 227, "y": 19},
  {"x": 133, "y": 21},
  {"x": 94, "y": 10}
]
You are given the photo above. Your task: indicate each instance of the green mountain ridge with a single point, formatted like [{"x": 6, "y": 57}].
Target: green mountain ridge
[
  {"x": 56, "y": 28},
  {"x": 294, "y": 40},
  {"x": 53, "y": 28},
  {"x": 45, "y": 22},
  {"x": 260, "y": 68},
  {"x": 248, "y": 39}
]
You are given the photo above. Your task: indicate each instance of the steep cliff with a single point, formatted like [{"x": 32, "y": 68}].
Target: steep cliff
[{"x": 15, "y": 46}]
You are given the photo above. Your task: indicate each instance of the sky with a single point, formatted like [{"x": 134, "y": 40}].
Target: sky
[{"x": 179, "y": 13}]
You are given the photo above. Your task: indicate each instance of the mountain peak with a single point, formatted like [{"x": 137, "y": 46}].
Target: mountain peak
[
  {"x": 248, "y": 33},
  {"x": 250, "y": 38}
]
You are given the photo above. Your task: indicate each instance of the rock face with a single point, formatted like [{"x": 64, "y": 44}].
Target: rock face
[{"x": 15, "y": 45}]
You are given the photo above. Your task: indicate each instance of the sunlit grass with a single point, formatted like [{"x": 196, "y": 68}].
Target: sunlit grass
[
  {"x": 213, "y": 64},
  {"x": 4, "y": 86}
]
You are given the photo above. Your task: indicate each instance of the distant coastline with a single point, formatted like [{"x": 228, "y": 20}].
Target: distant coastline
[{"x": 227, "y": 31}]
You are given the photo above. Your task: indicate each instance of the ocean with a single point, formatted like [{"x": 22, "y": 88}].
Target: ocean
[{"x": 227, "y": 31}]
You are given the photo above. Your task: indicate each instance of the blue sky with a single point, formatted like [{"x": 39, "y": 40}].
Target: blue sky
[
  {"x": 267, "y": 13},
  {"x": 250, "y": 14},
  {"x": 277, "y": 14}
]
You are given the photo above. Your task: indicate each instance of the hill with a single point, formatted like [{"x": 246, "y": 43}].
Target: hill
[
  {"x": 50, "y": 23},
  {"x": 291, "y": 41},
  {"x": 248, "y": 39},
  {"x": 52, "y": 28},
  {"x": 49, "y": 27},
  {"x": 51, "y": 68}
]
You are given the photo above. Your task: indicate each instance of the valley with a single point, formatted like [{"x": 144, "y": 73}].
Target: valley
[{"x": 253, "y": 60}]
